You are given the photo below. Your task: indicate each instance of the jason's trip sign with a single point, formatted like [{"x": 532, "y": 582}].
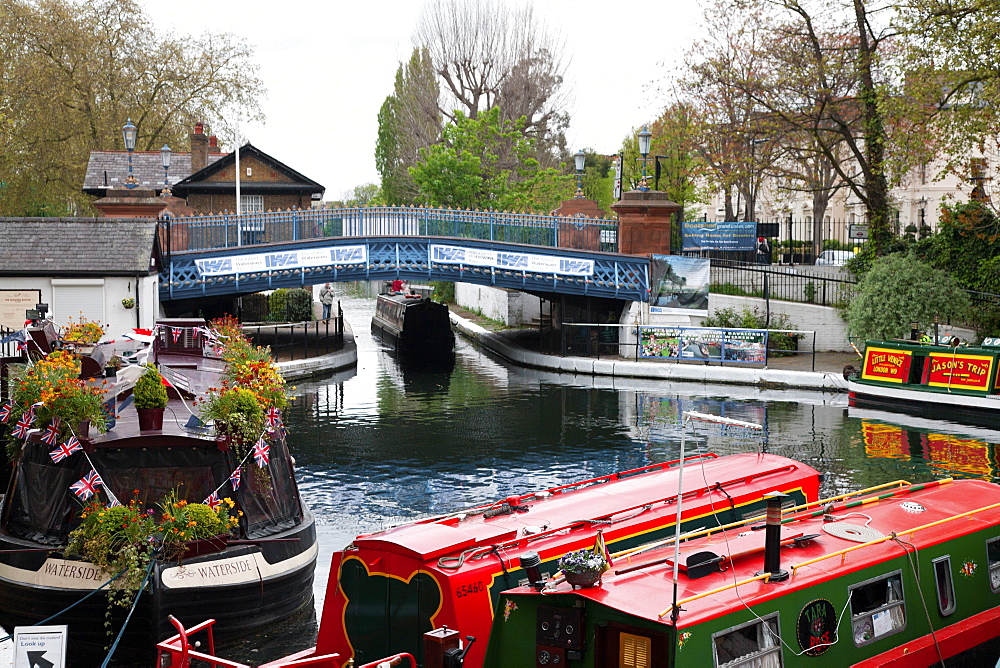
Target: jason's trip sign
[{"x": 965, "y": 372}]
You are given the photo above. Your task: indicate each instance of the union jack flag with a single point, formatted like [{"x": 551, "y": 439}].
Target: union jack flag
[
  {"x": 176, "y": 333},
  {"x": 234, "y": 479},
  {"x": 273, "y": 417},
  {"x": 66, "y": 449},
  {"x": 114, "y": 502},
  {"x": 22, "y": 347},
  {"x": 213, "y": 501},
  {"x": 51, "y": 434},
  {"x": 262, "y": 452},
  {"x": 6, "y": 410},
  {"x": 23, "y": 425},
  {"x": 31, "y": 410},
  {"x": 87, "y": 486}
]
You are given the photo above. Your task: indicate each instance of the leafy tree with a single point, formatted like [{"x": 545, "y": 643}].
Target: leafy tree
[
  {"x": 487, "y": 163},
  {"x": 367, "y": 194},
  {"x": 488, "y": 55},
  {"x": 598, "y": 178},
  {"x": 900, "y": 289},
  {"x": 408, "y": 121},
  {"x": 676, "y": 159},
  {"x": 72, "y": 72}
]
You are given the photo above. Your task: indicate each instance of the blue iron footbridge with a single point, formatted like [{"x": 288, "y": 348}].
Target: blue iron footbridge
[{"x": 217, "y": 255}]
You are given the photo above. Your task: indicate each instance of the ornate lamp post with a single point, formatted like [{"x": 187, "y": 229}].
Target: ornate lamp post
[
  {"x": 129, "y": 133},
  {"x": 644, "y": 138},
  {"x": 165, "y": 161},
  {"x": 581, "y": 160}
]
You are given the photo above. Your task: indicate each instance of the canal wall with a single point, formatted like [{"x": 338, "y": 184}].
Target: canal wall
[{"x": 653, "y": 370}]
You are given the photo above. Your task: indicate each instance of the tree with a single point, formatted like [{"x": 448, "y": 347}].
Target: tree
[
  {"x": 487, "y": 163},
  {"x": 409, "y": 121},
  {"x": 73, "y": 72},
  {"x": 489, "y": 55},
  {"x": 676, "y": 158},
  {"x": 367, "y": 194},
  {"x": 900, "y": 289}
]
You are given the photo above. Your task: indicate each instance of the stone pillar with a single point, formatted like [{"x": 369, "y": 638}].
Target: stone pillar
[
  {"x": 585, "y": 235},
  {"x": 644, "y": 220}
]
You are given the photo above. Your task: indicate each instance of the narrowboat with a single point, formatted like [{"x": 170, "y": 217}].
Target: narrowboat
[
  {"x": 412, "y": 324},
  {"x": 258, "y": 571},
  {"x": 961, "y": 384},
  {"x": 387, "y": 589},
  {"x": 905, "y": 575}
]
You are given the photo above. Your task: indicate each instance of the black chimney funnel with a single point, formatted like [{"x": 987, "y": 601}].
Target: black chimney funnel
[{"x": 772, "y": 537}]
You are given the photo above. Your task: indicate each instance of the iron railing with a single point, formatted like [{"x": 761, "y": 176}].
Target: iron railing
[
  {"x": 299, "y": 340},
  {"x": 752, "y": 280},
  {"x": 228, "y": 230}
]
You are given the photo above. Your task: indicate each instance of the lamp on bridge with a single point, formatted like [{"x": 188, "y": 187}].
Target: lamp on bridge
[
  {"x": 644, "y": 138},
  {"x": 165, "y": 161},
  {"x": 129, "y": 133},
  {"x": 581, "y": 160}
]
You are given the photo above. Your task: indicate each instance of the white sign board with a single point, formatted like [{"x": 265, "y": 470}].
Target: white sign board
[
  {"x": 280, "y": 260},
  {"x": 13, "y": 304},
  {"x": 40, "y": 646},
  {"x": 508, "y": 261},
  {"x": 857, "y": 231}
]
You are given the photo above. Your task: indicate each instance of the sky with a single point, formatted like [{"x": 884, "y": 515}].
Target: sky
[{"x": 329, "y": 65}]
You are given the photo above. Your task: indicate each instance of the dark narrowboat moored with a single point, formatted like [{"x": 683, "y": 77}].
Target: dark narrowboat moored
[{"x": 413, "y": 324}]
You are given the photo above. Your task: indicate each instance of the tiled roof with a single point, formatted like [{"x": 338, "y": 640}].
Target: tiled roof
[
  {"x": 108, "y": 169},
  {"x": 197, "y": 181},
  {"x": 76, "y": 246}
]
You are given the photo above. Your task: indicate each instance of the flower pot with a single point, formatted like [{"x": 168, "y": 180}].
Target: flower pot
[
  {"x": 150, "y": 419},
  {"x": 585, "y": 579},
  {"x": 196, "y": 548}
]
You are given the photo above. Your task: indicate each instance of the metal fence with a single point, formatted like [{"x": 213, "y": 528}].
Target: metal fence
[
  {"x": 228, "y": 230},
  {"x": 299, "y": 340},
  {"x": 797, "y": 285}
]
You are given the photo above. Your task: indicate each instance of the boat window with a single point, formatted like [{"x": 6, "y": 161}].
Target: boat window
[
  {"x": 634, "y": 651},
  {"x": 877, "y": 608},
  {"x": 993, "y": 559},
  {"x": 945, "y": 585},
  {"x": 755, "y": 644}
]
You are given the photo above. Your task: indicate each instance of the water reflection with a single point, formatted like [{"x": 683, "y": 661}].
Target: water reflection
[{"x": 390, "y": 443}]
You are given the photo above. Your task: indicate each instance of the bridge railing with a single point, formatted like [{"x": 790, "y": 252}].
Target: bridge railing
[{"x": 228, "y": 230}]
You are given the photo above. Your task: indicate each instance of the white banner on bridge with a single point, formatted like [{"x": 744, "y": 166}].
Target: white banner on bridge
[
  {"x": 481, "y": 257},
  {"x": 295, "y": 259}
]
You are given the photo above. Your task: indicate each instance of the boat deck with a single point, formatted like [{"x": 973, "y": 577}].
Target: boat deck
[{"x": 925, "y": 516}]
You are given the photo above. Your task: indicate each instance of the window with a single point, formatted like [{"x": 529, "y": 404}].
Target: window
[
  {"x": 877, "y": 609},
  {"x": 993, "y": 560},
  {"x": 756, "y": 644},
  {"x": 252, "y": 203},
  {"x": 634, "y": 651},
  {"x": 944, "y": 585}
]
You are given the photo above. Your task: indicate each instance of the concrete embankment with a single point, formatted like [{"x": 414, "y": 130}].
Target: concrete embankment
[
  {"x": 344, "y": 358},
  {"x": 777, "y": 374}
]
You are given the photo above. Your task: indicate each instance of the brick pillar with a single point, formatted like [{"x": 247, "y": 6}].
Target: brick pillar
[
  {"x": 199, "y": 148},
  {"x": 644, "y": 220}
]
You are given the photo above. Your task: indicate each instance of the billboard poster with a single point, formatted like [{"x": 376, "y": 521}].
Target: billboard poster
[
  {"x": 740, "y": 346},
  {"x": 679, "y": 284},
  {"x": 728, "y": 235},
  {"x": 13, "y": 304}
]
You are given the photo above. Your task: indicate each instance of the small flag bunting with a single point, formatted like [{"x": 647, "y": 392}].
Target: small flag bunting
[
  {"x": 262, "y": 452},
  {"x": 66, "y": 449},
  {"x": 51, "y": 435},
  {"x": 23, "y": 425},
  {"x": 87, "y": 486},
  {"x": 234, "y": 479},
  {"x": 213, "y": 501},
  {"x": 273, "y": 417},
  {"x": 176, "y": 333}
]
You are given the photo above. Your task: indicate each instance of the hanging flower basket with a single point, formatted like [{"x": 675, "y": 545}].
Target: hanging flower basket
[{"x": 128, "y": 302}]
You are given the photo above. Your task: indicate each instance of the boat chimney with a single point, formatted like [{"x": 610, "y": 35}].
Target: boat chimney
[
  {"x": 530, "y": 562},
  {"x": 772, "y": 537}
]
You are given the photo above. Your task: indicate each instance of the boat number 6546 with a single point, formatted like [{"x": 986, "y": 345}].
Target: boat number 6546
[{"x": 469, "y": 589}]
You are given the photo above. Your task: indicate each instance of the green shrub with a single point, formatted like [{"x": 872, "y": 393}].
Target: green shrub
[
  {"x": 444, "y": 291},
  {"x": 900, "y": 289},
  {"x": 276, "y": 305},
  {"x": 753, "y": 319},
  {"x": 299, "y": 305},
  {"x": 149, "y": 391},
  {"x": 255, "y": 307}
]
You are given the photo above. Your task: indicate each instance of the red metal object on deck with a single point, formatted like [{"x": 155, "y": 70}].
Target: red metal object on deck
[{"x": 178, "y": 648}]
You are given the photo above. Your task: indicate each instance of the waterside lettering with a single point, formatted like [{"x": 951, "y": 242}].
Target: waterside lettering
[
  {"x": 225, "y": 569},
  {"x": 74, "y": 571}
]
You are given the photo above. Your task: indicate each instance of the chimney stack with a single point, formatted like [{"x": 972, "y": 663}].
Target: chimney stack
[
  {"x": 199, "y": 148},
  {"x": 213, "y": 144}
]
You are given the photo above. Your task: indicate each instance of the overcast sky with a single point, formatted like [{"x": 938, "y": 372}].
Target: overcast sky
[{"x": 328, "y": 67}]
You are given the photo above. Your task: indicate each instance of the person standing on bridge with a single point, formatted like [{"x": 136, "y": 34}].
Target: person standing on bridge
[{"x": 326, "y": 299}]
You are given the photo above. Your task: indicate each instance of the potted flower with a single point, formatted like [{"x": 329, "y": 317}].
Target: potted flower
[
  {"x": 192, "y": 529},
  {"x": 111, "y": 366},
  {"x": 237, "y": 413},
  {"x": 583, "y": 568},
  {"x": 150, "y": 399},
  {"x": 83, "y": 333}
]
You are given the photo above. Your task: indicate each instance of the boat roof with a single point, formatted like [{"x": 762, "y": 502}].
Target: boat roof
[
  {"x": 546, "y": 515},
  {"x": 920, "y": 515}
]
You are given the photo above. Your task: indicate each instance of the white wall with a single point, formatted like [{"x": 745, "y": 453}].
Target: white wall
[
  {"x": 107, "y": 309},
  {"x": 510, "y": 307}
]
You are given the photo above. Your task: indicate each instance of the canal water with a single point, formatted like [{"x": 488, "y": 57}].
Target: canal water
[{"x": 387, "y": 443}]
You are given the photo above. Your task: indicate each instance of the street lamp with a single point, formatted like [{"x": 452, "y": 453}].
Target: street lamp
[
  {"x": 165, "y": 161},
  {"x": 129, "y": 133},
  {"x": 581, "y": 160},
  {"x": 644, "y": 138}
]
